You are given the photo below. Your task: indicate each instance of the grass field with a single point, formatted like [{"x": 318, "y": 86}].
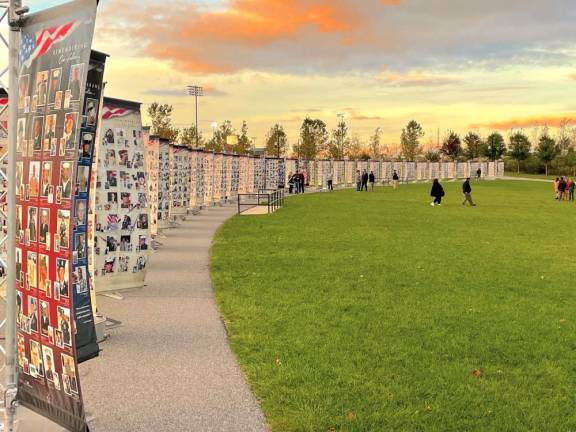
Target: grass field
[
  {"x": 531, "y": 176},
  {"x": 376, "y": 312}
]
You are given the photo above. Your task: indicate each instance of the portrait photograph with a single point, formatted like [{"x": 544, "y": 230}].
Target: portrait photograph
[
  {"x": 44, "y": 317},
  {"x": 75, "y": 84},
  {"x": 111, "y": 178},
  {"x": 31, "y": 269},
  {"x": 23, "y": 90},
  {"x": 44, "y": 226},
  {"x": 86, "y": 145},
  {"x": 82, "y": 178},
  {"x": 55, "y": 78},
  {"x": 36, "y": 366},
  {"x": 67, "y": 99},
  {"x": 80, "y": 212},
  {"x": 20, "y": 135},
  {"x": 63, "y": 228},
  {"x": 80, "y": 280},
  {"x": 91, "y": 111},
  {"x": 80, "y": 245},
  {"x": 62, "y": 278},
  {"x": 65, "y": 180},
  {"x": 113, "y": 197},
  {"x": 37, "y": 136},
  {"x": 32, "y": 226},
  {"x": 49, "y": 366},
  {"x": 34, "y": 179},
  {"x": 58, "y": 100},
  {"x": 42, "y": 87},
  {"x": 32, "y": 315},
  {"x": 126, "y": 200},
  {"x": 43, "y": 276},
  {"x": 69, "y": 134},
  {"x": 46, "y": 179},
  {"x": 49, "y": 132},
  {"x": 64, "y": 325}
]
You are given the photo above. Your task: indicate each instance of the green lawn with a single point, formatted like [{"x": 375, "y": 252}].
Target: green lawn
[
  {"x": 532, "y": 176},
  {"x": 372, "y": 311}
]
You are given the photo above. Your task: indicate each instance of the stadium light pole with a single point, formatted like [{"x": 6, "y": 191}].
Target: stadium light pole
[{"x": 196, "y": 91}]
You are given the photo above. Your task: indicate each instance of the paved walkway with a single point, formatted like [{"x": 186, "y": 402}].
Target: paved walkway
[
  {"x": 527, "y": 179},
  {"x": 169, "y": 366}
]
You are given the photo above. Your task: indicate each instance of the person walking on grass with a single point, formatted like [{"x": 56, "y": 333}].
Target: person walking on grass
[
  {"x": 478, "y": 174},
  {"x": 437, "y": 193},
  {"x": 556, "y": 185},
  {"x": 329, "y": 181},
  {"x": 365, "y": 180},
  {"x": 302, "y": 179},
  {"x": 561, "y": 188},
  {"x": 395, "y": 180},
  {"x": 571, "y": 191},
  {"x": 372, "y": 180},
  {"x": 467, "y": 191},
  {"x": 358, "y": 181}
]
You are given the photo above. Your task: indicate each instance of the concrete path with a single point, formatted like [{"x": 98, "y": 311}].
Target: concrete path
[
  {"x": 527, "y": 179},
  {"x": 169, "y": 366}
]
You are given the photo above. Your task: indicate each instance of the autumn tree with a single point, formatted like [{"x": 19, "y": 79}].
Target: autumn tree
[
  {"x": 313, "y": 138},
  {"x": 375, "y": 145},
  {"x": 474, "y": 145},
  {"x": 410, "y": 140},
  {"x": 547, "y": 150},
  {"x": 355, "y": 149},
  {"x": 276, "y": 141},
  {"x": 161, "y": 117},
  {"x": 340, "y": 141},
  {"x": 218, "y": 142},
  {"x": 244, "y": 144},
  {"x": 519, "y": 147},
  {"x": 190, "y": 138},
  {"x": 432, "y": 155},
  {"x": 452, "y": 146},
  {"x": 495, "y": 146}
]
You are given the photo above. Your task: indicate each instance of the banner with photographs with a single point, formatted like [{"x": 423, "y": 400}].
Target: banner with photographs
[
  {"x": 4, "y": 169},
  {"x": 199, "y": 179},
  {"x": 234, "y": 176},
  {"x": 208, "y": 174},
  {"x": 122, "y": 226},
  {"x": 227, "y": 176},
  {"x": 180, "y": 171},
  {"x": 217, "y": 178},
  {"x": 243, "y": 174},
  {"x": 152, "y": 154},
  {"x": 193, "y": 200},
  {"x": 259, "y": 174},
  {"x": 56, "y": 127},
  {"x": 163, "y": 182}
]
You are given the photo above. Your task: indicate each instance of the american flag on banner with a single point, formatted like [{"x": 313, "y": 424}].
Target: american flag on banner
[
  {"x": 36, "y": 45},
  {"x": 111, "y": 112}
]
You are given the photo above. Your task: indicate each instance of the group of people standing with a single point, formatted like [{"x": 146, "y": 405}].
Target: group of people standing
[
  {"x": 564, "y": 189},
  {"x": 363, "y": 179},
  {"x": 296, "y": 182}
]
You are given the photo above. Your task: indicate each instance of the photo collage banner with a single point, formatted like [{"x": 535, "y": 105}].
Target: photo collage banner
[
  {"x": 163, "y": 183},
  {"x": 122, "y": 218},
  {"x": 152, "y": 158},
  {"x": 59, "y": 94},
  {"x": 180, "y": 179}
]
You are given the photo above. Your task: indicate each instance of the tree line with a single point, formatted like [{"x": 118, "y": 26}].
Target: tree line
[{"x": 531, "y": 154}]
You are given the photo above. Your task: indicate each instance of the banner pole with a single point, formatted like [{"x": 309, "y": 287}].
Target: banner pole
[{"x": 11, "y": 385}]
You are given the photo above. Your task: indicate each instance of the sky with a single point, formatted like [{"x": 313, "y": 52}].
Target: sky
[{"x": 449, "y": 64}]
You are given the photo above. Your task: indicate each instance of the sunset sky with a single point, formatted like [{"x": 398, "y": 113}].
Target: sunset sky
[{"x": 449, "y": 64}]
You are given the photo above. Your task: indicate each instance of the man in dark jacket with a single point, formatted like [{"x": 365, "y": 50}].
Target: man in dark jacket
[
  {"x": 302, "y": 179},
  {"x": 467, "y": 191},
  {"x": 561, "y": 188},
  {"x": 364, "y": 181}
]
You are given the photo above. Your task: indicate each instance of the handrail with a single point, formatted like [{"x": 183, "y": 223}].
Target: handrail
[{"x": 273, "y": 199}]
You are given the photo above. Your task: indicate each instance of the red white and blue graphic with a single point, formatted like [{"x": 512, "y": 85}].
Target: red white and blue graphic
[{"x": 36, "y": 45}]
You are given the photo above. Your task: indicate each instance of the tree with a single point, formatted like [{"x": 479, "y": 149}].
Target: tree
[
  {"x": 547, "y": 150},
  {"x": 276, "y": 141},
  {"x": 474, "y": 145},
  {"x": 218, "y": 142},
  {"x": 244, "y": 143},
  {"x": 519, "y": 147},
  {"x": 495, "y": 146},
  {"x": 451, "y": 147},
  {"x": 375, "y": 149},
  {"x": 313, "y": 138},
  {"x": 340, "y": 141},
  {"x": 355, "y": 150},
  {"x": 161, "y": 116},
  {"x": 410, "y": 140},
  {"x": 570, "y": 160},
  {"x": 187, "y": 137},
  {"x": 432, "y": 155}
]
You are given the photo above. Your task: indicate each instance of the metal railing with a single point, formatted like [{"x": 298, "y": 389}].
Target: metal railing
[{"x": 273, "y": 199}]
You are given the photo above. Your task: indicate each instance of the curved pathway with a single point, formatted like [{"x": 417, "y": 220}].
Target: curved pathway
[{"x": 169, "y": 367}]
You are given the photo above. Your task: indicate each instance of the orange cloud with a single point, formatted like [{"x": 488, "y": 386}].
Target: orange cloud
[
  {"x": 572, "y": 76},
  {"x": 201, "y": 41},
  {"x": 519, "y": 123}
]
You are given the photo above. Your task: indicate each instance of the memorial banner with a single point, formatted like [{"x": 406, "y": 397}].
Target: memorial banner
[
  {"x": 180, "y": 171},
  {"x": 243, "y": 174},
  {"x": 152, "y": 154},
  {"x": 208, "y": 171},
  {"x": 193, "y": 201},
  {"x": 122, "y": 228},
  {"x": 58, "y": 101},
  {"x": 163, "y": 182},
  {"x": 235, "y": 177},
  {"x": 199, "y": 179},
  {"x": 217, "y": 176}
]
